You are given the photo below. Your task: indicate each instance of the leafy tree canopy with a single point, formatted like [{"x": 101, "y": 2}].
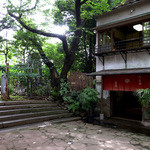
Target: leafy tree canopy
[{"x": 74, "y": 13}]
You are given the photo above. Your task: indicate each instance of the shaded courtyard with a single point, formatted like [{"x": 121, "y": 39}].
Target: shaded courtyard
[{"x": 70, "y": 136}]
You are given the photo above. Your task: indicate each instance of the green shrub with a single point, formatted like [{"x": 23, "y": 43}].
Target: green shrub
[
  {"x": 144, "y": 98},
  {"x": 42, "y": 90},
  {"x": 79, "y": 102},
  {"x": 88, "y": 99},
  {"x": 69, "y": 96}
]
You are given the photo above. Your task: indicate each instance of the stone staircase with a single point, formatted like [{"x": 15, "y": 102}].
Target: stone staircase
[{"x": 17, "y": 113}]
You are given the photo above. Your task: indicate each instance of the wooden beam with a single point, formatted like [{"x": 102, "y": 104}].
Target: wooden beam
[{"x": 99, "y": 38}]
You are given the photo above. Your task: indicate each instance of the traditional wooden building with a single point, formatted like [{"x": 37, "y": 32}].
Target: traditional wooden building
[{"x": 123, "y": 58}]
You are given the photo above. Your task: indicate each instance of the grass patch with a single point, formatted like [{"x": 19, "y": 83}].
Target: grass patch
[{"x": 15, "y": 98}]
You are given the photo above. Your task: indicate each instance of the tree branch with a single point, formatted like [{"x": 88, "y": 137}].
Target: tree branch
[
  {"x": 83, "y": 2},
  {"x": 11, "y": 3},
  {"x": 25, "y": 9},
  {"x": 32, "y": 7},
  {"x": 47, "y": 34}
]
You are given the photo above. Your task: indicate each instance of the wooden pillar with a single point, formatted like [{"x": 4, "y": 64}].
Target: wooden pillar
[
  {"x": 142, "y": 40},
  {"x": 7, "y": 89},
  {"x": 112, "y": 40},
  {"x": 111, "y": 104},
  {"x": 98, "y": 42},
  {"x": 102, "y": 95}
]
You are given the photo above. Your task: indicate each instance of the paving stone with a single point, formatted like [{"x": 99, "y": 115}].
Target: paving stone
[
  {"x": 47, "y": 148},
  {"x": 69, "y": 136},
  {"x": 135, "y": 142},
  {"x": 89, "y": 141},
  {"x": 3, "y": 147},
  {"x": 77, "y": 135},
  {"x": 60, "y": 143},
  {"x": 145, "y": 144},
  {"x": 78, "y": 146},
  {"x": 69, "y": 148},
  {"x": 93, "y": 147}
]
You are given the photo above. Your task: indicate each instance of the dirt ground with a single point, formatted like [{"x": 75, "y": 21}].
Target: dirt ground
[{"x": 72, "y": 136}]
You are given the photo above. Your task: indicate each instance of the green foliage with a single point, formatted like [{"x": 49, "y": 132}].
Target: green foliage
[
  {"x": 65, "y": 91},
  {"x": 6, "y": 22},
  {"x": 144, "y": 98},
  {"x": 24, "y": 44},
  {"x": 64, "y": 13},
  {"x": 2, "y": 68},
  {"x": 43, "y": 90},
  {"x": 74, "y": 106},
  {"x": 54, "y": 53},
  {"x": 69, "y": 96},
  {"x": 148, "y": 111},
  {"x": 81, "y": 102},
  {"x": 54, "y": 93},
  {"x": 88, "y": 98},
  {"x": 23, "y": 71}
]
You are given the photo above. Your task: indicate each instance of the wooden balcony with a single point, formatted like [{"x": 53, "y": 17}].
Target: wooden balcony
[{"x": 124, "y": 46}]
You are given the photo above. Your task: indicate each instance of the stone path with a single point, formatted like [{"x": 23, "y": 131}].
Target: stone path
[{"x": 72, "y": 136}]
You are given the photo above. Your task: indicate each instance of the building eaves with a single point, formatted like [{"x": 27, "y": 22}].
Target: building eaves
[{"x": 120, "y": 71}]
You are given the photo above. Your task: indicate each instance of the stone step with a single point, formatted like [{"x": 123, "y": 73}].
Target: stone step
[
  {"x": 8, "y": 107},
  {"x": 18, "y": 113},
  {"x": 28, "y": 110},
  {"x": 2, "y": 103},
  {"x": 61, "y": 120},
  {"x": 20, "y": 122},
  {"x": 29, "y": 115}
]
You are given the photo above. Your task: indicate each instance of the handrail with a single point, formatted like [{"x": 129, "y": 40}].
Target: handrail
[{"x": 124, "y": 45}]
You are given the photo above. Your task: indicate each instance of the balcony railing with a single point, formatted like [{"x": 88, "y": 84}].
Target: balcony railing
[{"x": 124, "y": 45}]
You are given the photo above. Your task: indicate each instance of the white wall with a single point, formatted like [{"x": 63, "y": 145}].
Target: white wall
[
  {"x": 134, "y": 60},
  {"x": 124, "y": 13}
]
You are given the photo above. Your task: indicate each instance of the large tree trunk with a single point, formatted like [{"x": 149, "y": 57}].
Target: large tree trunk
[{"x": 67, "y": 65}]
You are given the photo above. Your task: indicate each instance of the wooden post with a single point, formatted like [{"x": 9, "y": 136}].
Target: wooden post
[
  {"x": 102, "y": 95},
  {"x": 111, "y": 103},
  {"x": 7, "y": 89},
  {"x": 142, "y": 42},
  {"x": 112, "y": 40},
  {"x": 99, "y": 44}
]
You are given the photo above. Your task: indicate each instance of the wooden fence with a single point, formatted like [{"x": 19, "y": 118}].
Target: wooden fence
[{"x": 79, "y": 81}]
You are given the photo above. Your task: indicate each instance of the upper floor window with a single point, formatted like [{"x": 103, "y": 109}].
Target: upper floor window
[
  {"x": 105, "y": 40},
  {"x": 125, "y": 37}
]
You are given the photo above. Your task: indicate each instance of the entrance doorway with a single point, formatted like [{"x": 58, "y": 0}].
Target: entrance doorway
[{"x": 126, "y": 105}]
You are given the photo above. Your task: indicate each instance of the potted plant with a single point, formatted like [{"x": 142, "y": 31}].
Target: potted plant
[{"x": 88, "y": 100}]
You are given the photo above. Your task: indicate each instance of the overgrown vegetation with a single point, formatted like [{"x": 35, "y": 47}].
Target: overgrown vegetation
[
  {"x": 144, "y": 98},
  {"x": 80, "y": 102}
]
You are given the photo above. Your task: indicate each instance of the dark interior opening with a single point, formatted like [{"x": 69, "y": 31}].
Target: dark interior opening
[{"x": 126, "y": 105}]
